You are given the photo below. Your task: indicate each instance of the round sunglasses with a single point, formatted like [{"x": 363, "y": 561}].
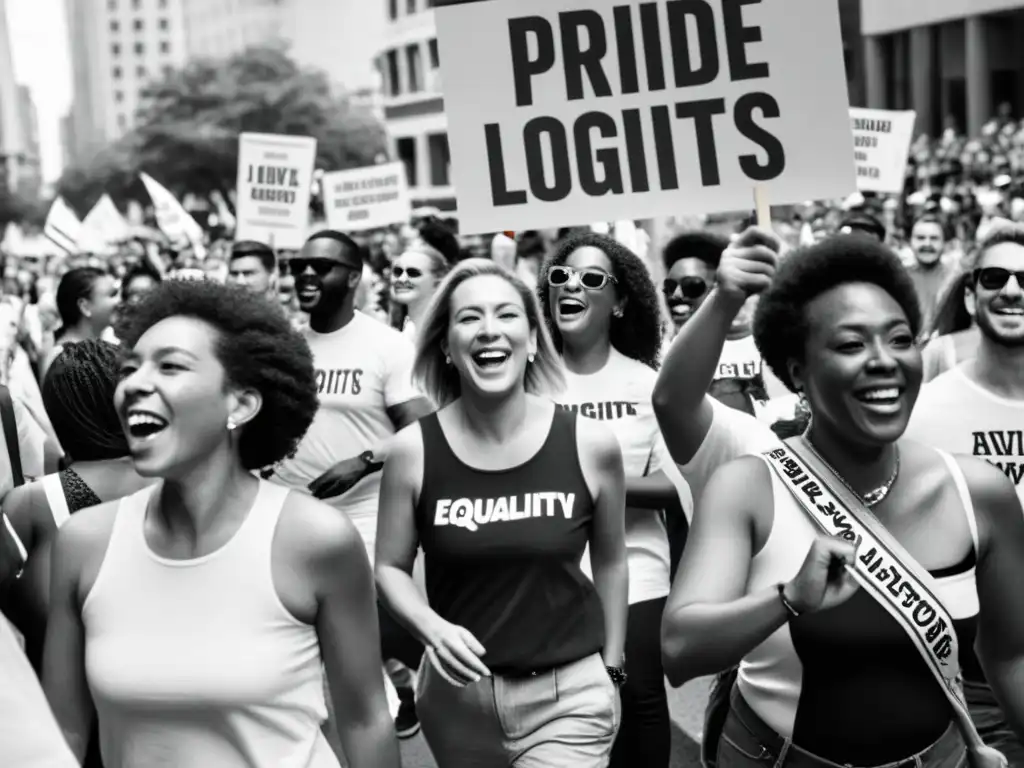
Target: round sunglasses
[
  {"x": 591, "y": 279},
  {"x": 691, "y": 286}
]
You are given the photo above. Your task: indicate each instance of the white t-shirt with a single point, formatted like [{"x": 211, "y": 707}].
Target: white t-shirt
[
  {"x": 740, "y": 360},
  {"x": 361, "y": 370},
  {"x": 957, "y": 415},
  {"x": 620, "y": 396},
  {"x": 732, "y": 434}
]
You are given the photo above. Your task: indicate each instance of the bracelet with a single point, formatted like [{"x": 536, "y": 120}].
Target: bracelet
[{"x": 785, "y": 602}]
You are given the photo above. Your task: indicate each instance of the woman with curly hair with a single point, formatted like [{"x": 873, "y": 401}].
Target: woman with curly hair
[
  {"x": 602, "y": 308},
  {"x": 504, "y": 490},
  {"x": 849, "y": 572},
  {"x": 192, "y": 619}
]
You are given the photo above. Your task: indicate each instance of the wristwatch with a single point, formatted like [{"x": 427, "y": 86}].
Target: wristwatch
[{"x": 618, "y": 675}]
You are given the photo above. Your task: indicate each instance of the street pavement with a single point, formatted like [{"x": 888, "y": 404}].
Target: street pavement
[{"x": 686, "y": 705}]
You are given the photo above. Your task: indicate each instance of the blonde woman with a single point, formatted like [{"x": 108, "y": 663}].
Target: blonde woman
[{"x": 503, "y": 491}]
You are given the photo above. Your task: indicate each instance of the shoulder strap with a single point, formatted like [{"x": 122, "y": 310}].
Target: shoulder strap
[
  {"x": 883, "y": 568},
  {"x": 10, "y": 427},
  {"x": 55, "y": 498}
]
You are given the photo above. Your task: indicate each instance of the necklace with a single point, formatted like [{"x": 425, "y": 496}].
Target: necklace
[{"x": 871, "y": 498}]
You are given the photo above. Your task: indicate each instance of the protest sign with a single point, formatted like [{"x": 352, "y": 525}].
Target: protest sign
[
  {"x": 367, "y": 198},
  {"x": 275, "y": 176},
  {"x": 881, "y": 148},
  {"x": 564, "y": 112}
]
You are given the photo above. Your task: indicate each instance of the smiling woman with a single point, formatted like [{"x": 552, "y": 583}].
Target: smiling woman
[
  {"x": 838, "y": 326},
  {"x": 503, "y": 491},
  {"x": 253, "y": 589}
]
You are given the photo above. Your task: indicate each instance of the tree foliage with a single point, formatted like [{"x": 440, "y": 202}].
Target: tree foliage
[{"x": 186, "y": 129}]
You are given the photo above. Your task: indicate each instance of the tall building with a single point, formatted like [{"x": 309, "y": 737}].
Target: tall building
[
  {"x": 956, "y": 62},
  {"x": 413, "y": 106},
  {"x": 30, "y": 179},
  {"x": 117, "y": 48},
  {"x": 12, "y": 149},
  {"x": 222, "y": 28}
]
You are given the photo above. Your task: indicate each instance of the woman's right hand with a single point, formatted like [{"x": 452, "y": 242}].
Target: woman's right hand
[
  {"x": 455, "y": 654},
  {"x": 823, "y": 581}
]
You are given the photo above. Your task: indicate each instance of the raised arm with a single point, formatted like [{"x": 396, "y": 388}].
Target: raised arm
[{"x": 680, "y": 394}]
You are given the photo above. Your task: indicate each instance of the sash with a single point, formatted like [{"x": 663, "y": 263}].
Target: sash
[{"x": 883, "y": 568}]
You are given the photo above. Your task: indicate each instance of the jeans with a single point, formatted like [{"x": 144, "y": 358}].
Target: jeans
[
  {"x": 747, "y": 742},
  {"x": 645, "y": 736},
  {"x": 991, "y": 722},
  {"x": 566, "y": 717}
]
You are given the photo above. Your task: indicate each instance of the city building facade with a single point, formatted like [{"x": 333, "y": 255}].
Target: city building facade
[
  {"x": 30, "y": 178},
  {"x": 955, "y": 62},
  {"x": 14, "y": 160},
  {"x": 413, "y": 105}
]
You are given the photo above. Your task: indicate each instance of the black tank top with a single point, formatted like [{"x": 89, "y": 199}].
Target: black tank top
[{"x": 503, "y": 550}]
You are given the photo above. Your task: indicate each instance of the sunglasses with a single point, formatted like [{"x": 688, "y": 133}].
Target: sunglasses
[
  {"x": 591, "y": 279},
  {"x": 412, "y": 272},
  {"x": 321, "y": 267},
  {"x": 691, "y": 287},
  {"x": 996, "y": 278}
]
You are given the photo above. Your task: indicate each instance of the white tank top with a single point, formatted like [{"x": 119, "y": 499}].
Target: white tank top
[{"x": 197, "y": 662}]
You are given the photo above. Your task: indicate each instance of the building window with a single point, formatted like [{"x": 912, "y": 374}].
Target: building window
[
  {"x": 122, "y": 122},
  {"x": 410, "y": 7},
  {"x": 140, "y": 48},
  {"x": 168, "y": 70},
  {"x": 164, "y": 24},
  {"x": 112, "y": 5},
  {"x": 136, "y": 4},
  {"x": 435, "y": 59},
  {"x": 118, "y": 96},
  {"x": 162, "y": 3},
  {"x": 440, "y": 159},
  {"x": 140, "y": 71},
  {"x": 117, "y": 73},
  {"x": 115, "y": 49},
  {"x": 138, "y": 25},
  {"x": 115, "y": 25},
  {"x": 165, "y": 47},
  {"x": 394, "y": 85},
  {"x": 392, "y": 9},
  {"x": 412, "y": 55},
  {"x": 430, "y": 3},
  {"x": 406, "y": 151}
]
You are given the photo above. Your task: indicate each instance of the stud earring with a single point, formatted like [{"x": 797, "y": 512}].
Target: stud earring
[
  {"x": 617, "y": 312},
  {"x": 447, "y": 360},
  {"x": 231, "y": 426},
  {"x": 531, "y": 357}
]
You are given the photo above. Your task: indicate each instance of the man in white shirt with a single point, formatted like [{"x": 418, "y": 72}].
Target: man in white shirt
[
  {"x": 977, "y": 408},
  {"x": 364, "y": 375}
]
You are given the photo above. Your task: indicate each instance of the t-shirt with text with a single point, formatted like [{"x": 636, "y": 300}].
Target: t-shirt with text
[
  {"x": 957, "y": 415},
  {"x": 620, "y": 396},
  {"x": 361, "y": 370}
]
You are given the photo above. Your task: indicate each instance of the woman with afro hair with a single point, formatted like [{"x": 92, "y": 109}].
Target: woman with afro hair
[
  {"x": 602, "y": 309},
  {"x": 193, "y": 619},
  {"x": 827, "y": 675}
]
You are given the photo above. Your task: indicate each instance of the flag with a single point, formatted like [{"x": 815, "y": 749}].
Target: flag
[
  {"x": 62, "y": 226},
  {"x": 103, "y": 227},
  {"x": 172, "y": 218}
]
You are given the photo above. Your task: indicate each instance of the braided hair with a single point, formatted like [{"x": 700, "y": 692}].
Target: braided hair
[{"x": 78, "y": 394}]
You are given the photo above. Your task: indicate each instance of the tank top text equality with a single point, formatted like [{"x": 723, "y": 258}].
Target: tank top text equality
[{"x": 503, "y": 550}]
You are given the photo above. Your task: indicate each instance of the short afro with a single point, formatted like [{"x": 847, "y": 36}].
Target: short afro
[
  {"x": 700, "y": 244},
  {"x": 259, "y": 350},
  {"x": 780, "y": 325},
  {"x": 638, "y": 333}
]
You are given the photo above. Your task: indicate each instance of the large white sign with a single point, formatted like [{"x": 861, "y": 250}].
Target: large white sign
[
  {"x": 564, "y": 112},
  {"x": 275, "y": 177},
  {"x": 881, "y": 148},
  {"x": 367, "y": 198}
]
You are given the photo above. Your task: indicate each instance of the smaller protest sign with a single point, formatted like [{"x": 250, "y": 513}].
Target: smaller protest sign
[
  {"x": 367, "y": 198},
  {"x": 881, "y": 148},
  {"x": 275, "y": 177}
]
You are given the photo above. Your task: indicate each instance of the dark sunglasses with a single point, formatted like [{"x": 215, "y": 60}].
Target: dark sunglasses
[
  {"x": 412, "y": 272},
  {"x": 591, "y": 279},
  {"x": 691, "y": 286},
  {"x": 995, "y": 278},
  {"x": 321, "y": 267}
]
